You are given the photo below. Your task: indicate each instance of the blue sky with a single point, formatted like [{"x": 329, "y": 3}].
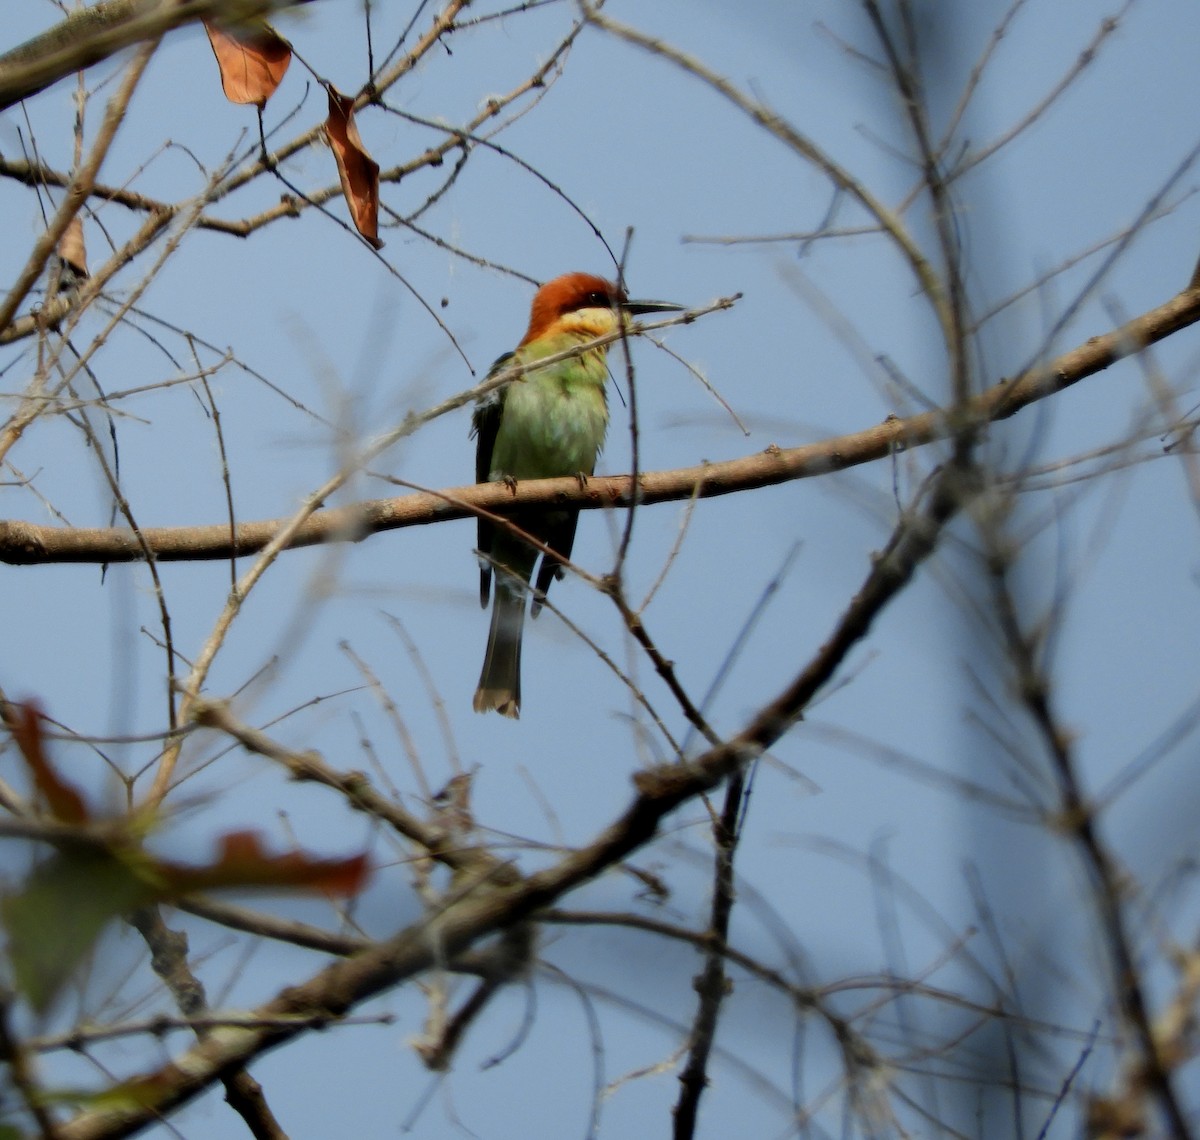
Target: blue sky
[{"x": 634, "y": 143}]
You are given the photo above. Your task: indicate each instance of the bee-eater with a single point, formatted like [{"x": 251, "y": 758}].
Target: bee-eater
[{"x": 550, "y": 422}]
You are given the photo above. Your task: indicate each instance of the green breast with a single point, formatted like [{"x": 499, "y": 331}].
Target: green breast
[{"x": 554, "y": 419}]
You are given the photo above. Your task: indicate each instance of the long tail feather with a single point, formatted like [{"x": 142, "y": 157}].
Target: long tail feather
[{"x": 500, "y": 679}]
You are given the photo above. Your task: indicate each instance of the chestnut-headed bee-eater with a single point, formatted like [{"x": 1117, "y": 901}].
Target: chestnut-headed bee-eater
[{"x": 550, "y": 422}]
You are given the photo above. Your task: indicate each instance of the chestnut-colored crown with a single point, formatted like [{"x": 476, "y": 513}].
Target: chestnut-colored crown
[{"x": 565, "y": 294}]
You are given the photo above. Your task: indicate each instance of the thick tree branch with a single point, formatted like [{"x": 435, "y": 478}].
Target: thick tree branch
[{"x": 27, "y": 544}]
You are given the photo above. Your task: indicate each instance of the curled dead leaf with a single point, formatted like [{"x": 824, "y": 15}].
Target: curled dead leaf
[
  {"x": 358, "y": 171},
  {"x": 99, "y": 869},
  {"x": 244, "y": 861},
  {"x": 253, "y": 61},
  {"x": 65, "y": 803}
]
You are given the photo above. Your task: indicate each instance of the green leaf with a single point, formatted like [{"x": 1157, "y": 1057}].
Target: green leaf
[{"x": 55, "y": 919}]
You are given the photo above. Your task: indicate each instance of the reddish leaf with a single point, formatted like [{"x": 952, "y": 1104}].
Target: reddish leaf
[
  {"x": 358, "y": 171},
  {"x": 243, "y": 862},
  {"x": 60, "y": 910},
  {"x": 55, "y": 916},
  {"x": 64, "y": 802},
  {"x": 253, "y": 61}
]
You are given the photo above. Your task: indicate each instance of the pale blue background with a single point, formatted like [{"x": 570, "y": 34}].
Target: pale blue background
[{"x": 635, "y": 143}]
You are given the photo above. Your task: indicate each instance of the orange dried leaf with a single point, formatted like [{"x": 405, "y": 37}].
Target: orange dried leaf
[
  {"x": 71, "y": 248},
  {"x": 64, "y": 802},
  {"x": 358, "y": 171},
  {"x": 253, "y": 61},
  {"x": 244, "y": 862}
]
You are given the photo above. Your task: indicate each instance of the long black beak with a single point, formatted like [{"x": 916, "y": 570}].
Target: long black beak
[{"x": 637, "y": 308}]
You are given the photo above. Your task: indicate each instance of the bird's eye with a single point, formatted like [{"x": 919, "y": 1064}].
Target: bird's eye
[{"x": 598, "y": 301}]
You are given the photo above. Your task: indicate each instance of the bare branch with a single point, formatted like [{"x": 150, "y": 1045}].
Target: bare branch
[{"x": 27, "y": 544}]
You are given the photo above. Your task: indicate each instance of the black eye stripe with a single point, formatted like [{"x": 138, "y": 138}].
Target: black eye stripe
[{"x": 594, "y": 300}]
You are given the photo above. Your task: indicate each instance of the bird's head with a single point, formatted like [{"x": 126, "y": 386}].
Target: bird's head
[{"x": 584, "y": 303}]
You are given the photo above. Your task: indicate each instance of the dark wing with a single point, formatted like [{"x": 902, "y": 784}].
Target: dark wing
[
  {"x": 485, "y": 424},
  {"x": 559, "y": 535}
]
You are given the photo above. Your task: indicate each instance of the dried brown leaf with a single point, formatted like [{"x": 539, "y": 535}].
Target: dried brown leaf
[
  {"x": 358, "y": 171},
  {"x": 253, "y": 61},
  {"x": 66, "y": 804},
  {"x": 244, "y": 862},
  {"x": 55, "y": 916}
]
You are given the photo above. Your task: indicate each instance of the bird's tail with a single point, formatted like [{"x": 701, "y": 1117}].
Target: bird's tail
[{"x": 500, "y": 679}]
